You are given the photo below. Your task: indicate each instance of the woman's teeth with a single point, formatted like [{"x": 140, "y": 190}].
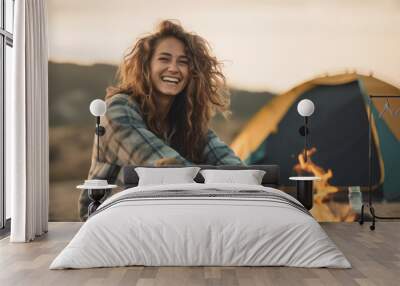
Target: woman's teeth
[{"x": 170, "y": 79}]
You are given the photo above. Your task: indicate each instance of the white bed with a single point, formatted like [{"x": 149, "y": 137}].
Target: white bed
[{"x": 269, "y": 229}]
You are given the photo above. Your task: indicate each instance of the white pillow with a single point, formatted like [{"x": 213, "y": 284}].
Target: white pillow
[
  {"x": 162, "y": 176},
  {"x": 248, "y": 177}
]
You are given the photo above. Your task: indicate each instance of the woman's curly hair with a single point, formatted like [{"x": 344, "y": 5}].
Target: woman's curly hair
[{"x": 205, "y": 94}]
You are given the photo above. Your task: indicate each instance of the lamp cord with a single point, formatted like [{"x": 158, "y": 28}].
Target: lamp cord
[
  {"x": 98, "y": 137},
  {"x": 305, "y": 138}
]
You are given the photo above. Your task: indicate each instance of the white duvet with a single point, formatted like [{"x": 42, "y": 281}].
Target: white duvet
[{"x": 200, "y": 231}]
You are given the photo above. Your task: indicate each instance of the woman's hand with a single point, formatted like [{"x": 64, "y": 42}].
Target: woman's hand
[{"x": 167, "y": 161}]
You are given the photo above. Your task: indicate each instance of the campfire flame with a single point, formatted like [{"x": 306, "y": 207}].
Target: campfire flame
[{"x": 324, "y": 209}]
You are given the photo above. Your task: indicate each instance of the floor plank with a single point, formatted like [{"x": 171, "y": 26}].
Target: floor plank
[{"x": 374, "y": 255}]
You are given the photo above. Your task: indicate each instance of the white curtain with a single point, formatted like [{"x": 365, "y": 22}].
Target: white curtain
[{"x": 27, "y": 147}]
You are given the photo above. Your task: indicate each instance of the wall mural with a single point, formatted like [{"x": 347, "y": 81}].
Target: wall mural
[{"x": 268, "y": 62}]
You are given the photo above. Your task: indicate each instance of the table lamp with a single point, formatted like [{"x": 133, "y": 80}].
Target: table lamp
[
  {"x": 305, "y": 108},
  {"x": 98, "y": 108},
  {"x": 305, "y": 183}
]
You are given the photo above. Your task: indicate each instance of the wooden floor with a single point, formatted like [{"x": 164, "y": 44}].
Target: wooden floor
[{"x": 374, "y": 255}]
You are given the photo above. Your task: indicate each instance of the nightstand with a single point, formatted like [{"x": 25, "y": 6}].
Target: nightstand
[
  {"x": 98, "y": 191},
  {"x": 305, "y": 190}
]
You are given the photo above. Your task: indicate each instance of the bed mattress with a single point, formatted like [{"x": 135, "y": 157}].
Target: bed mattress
[{"x": 201, "y": 225}]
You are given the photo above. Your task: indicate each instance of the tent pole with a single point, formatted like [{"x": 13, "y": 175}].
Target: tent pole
[{"x": 371, "y": 208}]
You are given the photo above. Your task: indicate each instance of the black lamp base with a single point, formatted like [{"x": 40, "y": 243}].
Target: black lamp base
[
  {"x": 305, "y": 193},
  {"x": 96, "y": 196}
]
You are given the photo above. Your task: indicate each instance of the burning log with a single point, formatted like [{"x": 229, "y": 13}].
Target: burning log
[{"x": 325, "y": 209}]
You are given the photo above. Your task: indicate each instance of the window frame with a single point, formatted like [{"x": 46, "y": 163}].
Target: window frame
[{"x": 6, "y": 39}]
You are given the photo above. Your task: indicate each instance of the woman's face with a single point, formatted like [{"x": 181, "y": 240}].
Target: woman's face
[{"x": 169, "y": 67}]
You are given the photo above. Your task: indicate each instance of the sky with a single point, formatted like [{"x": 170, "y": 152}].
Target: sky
[{"x": 265, "y": 45}]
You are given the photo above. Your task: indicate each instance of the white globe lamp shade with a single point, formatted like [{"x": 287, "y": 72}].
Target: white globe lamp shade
[
  {"x": 305, "y": 107},
  {"x": 98, "y": 107}
]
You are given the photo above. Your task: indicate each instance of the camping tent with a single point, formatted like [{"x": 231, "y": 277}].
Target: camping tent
[{"x": 338, "y": 131}]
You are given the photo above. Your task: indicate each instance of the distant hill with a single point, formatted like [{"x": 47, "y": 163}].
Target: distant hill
[
  {"x": 71, "y": 89},
  {"x": 244, "y": 105}
]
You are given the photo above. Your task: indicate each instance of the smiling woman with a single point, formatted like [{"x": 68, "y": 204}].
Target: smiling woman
[{"x": 170, "y": 86}]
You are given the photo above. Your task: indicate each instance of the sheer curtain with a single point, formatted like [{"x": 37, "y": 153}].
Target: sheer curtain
[{"x": 27, "y": 147}]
